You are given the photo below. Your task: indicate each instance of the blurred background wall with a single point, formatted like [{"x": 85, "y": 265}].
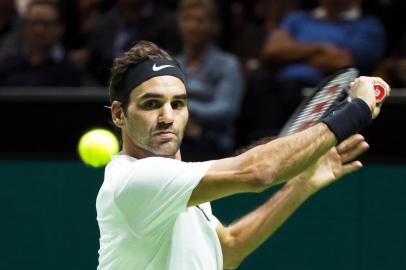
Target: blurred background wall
[{"x": 49, "y": 221}]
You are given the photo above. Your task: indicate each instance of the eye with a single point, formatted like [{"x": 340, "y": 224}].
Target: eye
[
  {"x": 178, "y": 104},
  {"x": 151, "y": 104}
]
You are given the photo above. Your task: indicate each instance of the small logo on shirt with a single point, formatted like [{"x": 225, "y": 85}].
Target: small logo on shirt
[{"x": 158, "y": 68}]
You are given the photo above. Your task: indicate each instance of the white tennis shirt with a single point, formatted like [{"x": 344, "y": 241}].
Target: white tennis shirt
[{"x": 144, "y": 220}]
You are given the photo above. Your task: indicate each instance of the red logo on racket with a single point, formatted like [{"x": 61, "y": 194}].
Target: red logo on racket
[
  {"x": 332, "y": 89},
  {"x": 305, "y": 125},
  {"x": 379, "y": 92}
]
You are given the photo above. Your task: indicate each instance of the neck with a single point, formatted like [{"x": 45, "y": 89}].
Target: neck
[
  {"x": 194, "y": 54},
  {"x": 38, "y": 56}
]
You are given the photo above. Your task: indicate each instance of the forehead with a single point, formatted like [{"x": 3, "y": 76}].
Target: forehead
[
  {"x": 197, "y": 11},
  {"x": 165, "y": 86},
  {"x": 42, "y": 10}
]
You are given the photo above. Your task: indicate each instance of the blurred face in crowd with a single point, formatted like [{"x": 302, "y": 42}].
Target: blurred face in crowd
[
  {"x": 196, "y": 26},
  {"x": 337, "y": 6},
  {"x": 132, "y": 4},
  {"x": 155, "y": 119},
  {"x": 42, "y": 28}
]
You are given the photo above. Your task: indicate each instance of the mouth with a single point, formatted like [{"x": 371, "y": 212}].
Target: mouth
[{"x": 165, "y": 134}]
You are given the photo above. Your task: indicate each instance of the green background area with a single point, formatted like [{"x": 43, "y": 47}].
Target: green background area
[{"x": 49, "y": 221}]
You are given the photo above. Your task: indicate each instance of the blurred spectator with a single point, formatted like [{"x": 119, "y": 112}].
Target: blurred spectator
[
  {"x": 127, "y": 23},
  {"x": 21, "y": 6},
  {"x": 7, "y": 17},
  {"x": 307, "y": 46},
  {"x": 214, "y": 83},
  {"x": 82, "y": 17},
  {"x": 41, "y": 60},
  {"x": 335, "y": 35},
  {"x": 249, "y": 24}
]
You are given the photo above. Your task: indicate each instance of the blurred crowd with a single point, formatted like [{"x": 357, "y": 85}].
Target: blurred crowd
[{"x": 247, "y": 61}]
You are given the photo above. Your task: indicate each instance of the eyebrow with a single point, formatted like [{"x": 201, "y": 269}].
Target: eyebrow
[{"x": 152, "y": 95}]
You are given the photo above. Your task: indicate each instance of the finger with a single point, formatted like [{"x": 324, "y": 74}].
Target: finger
[
  {"x": 351, "y": 167},
  {"x": 353, "y": 153},
  {"x": 376, "y": 111},
  {"x": 349, "y": 143}
]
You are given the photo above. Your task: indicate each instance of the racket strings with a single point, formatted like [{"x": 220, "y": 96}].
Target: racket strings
[{"x": 332, "y": 94}]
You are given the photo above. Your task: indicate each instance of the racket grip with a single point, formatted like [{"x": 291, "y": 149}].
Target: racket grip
[{"x": 379, "y": 93}]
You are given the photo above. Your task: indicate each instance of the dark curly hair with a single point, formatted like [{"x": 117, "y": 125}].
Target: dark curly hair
[{"x": 140, "y": 52}]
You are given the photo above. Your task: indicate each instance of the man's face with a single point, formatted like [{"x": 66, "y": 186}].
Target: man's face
[
  {"x": 337, "y": 6},
  {"x": 195, "y": 25},
  {"x": 156, "y": 116},
  {"x": 42, "y": 28}
]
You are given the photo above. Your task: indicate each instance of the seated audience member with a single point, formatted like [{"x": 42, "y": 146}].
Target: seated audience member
[
  {"x": 249, "y": 24},
  {"x": 6, "y": 18},
  {"x": 310, "y": 45},
  {"x": 41, "y": 60},
  {"x": 214, "y": 83},
  {"x": 307, "y": 46},
  {"x": 9, "y": 28},
  {"x": 125, "y": 24}
]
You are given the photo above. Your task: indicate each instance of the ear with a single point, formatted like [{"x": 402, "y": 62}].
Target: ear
[{"x": 117, "y": 114}]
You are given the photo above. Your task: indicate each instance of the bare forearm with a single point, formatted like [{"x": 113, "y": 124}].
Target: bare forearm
[
  {"x": 292, "y": 51},
  {"x": 284, "y": 158},
  {"x": 252, "y": 230},
  {"x": 333, "y": 60}
]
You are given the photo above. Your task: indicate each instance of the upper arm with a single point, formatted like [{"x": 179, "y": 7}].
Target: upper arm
[
  {"x": 225, "y": 177},
  {"x": 265, "y": 165}
]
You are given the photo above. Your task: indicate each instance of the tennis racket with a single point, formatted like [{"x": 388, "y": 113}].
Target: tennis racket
[{"x": 326, "y": 97}]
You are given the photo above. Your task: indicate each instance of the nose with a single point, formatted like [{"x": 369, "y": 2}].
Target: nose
[{"x": 166, "y": 114}]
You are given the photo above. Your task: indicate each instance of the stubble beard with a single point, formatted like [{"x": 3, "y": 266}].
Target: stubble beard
[{"x": 164, "y": 149}]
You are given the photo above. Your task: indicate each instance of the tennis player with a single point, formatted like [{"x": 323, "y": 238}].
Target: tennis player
[{"x": 154, "y": 210}]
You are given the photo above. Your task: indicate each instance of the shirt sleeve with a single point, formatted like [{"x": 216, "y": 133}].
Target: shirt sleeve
[
  {"x": 151, "y": 192},
  {"x": 366, "y": 42},
  {"x": 292, "y": 22}
]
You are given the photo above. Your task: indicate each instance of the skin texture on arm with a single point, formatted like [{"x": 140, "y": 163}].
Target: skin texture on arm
[
  {"x": 241, "y": 238},
  {"x": 331, "y": 58},
  {"x": 265, "y": 165},
  {"x": 279, "y": 160},
  {"x": 283, "y": 48}
]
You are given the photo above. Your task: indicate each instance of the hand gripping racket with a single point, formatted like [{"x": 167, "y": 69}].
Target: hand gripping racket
[{"x": 326, "y": 97}]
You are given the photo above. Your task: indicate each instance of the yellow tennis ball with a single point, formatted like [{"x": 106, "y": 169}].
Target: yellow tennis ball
[{"x": 97, "y": 146}]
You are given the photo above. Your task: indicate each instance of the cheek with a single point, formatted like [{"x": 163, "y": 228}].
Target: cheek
[{"x": 139, "y": 125}]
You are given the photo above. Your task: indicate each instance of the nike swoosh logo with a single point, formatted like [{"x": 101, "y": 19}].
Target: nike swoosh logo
[{"x": 158, "y": 68}]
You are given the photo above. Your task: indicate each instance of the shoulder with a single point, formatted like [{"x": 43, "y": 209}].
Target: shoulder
[
  {"x": 370, "y": 21},
  {"x": 126, "y": 172},
  {"x": 225, "y": 59},
  {"x": 123, "y": 166},
  {"x": 297, "y": 16}
]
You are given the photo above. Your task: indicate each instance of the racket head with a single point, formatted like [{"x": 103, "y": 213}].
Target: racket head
[{"x": 326, "y": 96}]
